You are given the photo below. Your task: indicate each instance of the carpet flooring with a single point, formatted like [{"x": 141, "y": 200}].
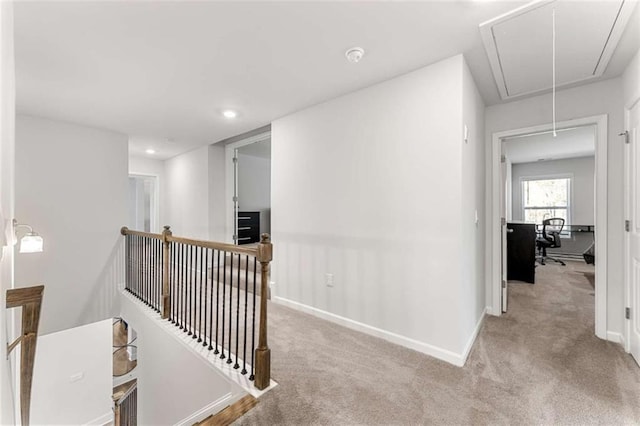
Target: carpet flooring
[{"x": 538, "y": 364}]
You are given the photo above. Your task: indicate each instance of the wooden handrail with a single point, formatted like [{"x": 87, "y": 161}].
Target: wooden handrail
[
  {"x": 30, "y": 299},
  {"x": 231, "y": 248}
]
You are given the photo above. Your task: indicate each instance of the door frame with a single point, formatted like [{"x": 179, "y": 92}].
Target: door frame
[
  {"x": 229, "y": 177},
  {"x": 600, "y": 234},
  {"x": 627, "y": 206}
]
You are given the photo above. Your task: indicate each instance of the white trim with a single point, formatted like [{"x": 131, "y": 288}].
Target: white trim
[
  {"x": 213, "y": 408},
  {"x": 626, "y": 257},
  {"x": 472, "y": 338},
  {"x": 615, "y": 337},
  {"x": 431, "y": 350},
  {"x": 600, "y": 234},
  {"x": 102, "y": 420},
  {"x": 228, "y": 158}
]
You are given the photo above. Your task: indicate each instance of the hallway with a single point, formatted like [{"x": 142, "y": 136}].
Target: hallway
[{"x": 540, "y": 363}]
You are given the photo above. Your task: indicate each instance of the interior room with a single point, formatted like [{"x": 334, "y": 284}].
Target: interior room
[
  {"x": 550, "y": 211},
  {"x": 320, "y": 212}
]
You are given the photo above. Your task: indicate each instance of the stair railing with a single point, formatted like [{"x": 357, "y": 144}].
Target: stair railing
[
  {"x": 125, "y": 407},
  {"x": 30, "y": 299},
  {"x": 209, "y": 290}
]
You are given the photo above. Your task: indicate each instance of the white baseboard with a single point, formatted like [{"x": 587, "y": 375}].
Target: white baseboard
[
  {"x": 615, "y": 337},
  {"x": 472, "y": 338},
  {"x": 431, "y": 350},
  {"x": 213, "y": 408},
  {"x": 103, "y": 420}
]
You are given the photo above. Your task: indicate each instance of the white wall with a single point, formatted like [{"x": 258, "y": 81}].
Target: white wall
[
  {"x": 7, "y": 203},
  {"x": 59, "y": 396},
  {"x": 173, "y": 381},
  {"x": 473, "y": 215},
  {"x": 582, "y": 185},
  {"x": 603, "y": 97},
  {"x": 187, "y": 194},
  {"x": 150, "y": 167},
  {"x": 71, "y": 186},
  {"x": 368, "y": 187},
  {"x": 631, "y": 81},
  {"x": 217, "y": 193}
]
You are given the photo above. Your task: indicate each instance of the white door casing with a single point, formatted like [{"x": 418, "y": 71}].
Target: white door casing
[{"x": 632, "y": 198}]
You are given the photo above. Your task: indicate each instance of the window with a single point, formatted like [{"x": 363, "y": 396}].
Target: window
[{"x": 546, "y": 198}]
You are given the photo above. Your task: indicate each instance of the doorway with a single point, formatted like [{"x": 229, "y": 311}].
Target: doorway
[
  {"x": 143, "y": 203},
  {"x": 498, "y": 225},
  {"x": 248, "y": 189}
]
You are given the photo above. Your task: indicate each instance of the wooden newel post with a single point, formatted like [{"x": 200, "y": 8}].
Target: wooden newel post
[
  {"x": 263, "y": 353},
  {"x": 166, "y": 259}
]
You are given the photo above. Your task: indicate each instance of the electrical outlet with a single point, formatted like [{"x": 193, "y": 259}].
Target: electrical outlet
[{"x": 329, "y": 280}]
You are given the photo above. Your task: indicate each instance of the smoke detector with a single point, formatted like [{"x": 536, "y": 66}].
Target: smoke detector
[{"x": 354, "y": 54}]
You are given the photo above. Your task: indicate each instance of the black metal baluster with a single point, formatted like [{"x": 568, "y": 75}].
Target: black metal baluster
[
  {"x": 181, "y": 270},
  {"x": 230, "y": 306},
  {"x": 197, "y": 320},
  {"x": 158, "y": 275},
  {"x": 217, "y": 299},
  {"x": 172, "y": 275},
  {"x": 224, "y": 291},
  {"x": 246, "y": 299},
  {"x": 190, "y": 281},
  {"x": 253, "y": 320},
  {"x": 192, "y": 291},
  {"x": 139, "y": 290},
  {"x": 236, "y": 365},
  {"x": 127, "y": 262},
  {"x": 206, "y": 283},
  {"x": 145, "y": 270}
]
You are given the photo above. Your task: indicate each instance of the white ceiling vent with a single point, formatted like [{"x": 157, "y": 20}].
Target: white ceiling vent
[{"x": 519, "y": 43}]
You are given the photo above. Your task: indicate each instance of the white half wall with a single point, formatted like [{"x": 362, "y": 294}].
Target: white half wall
[
  {"x": 603, "y": 97},
  {"x": 73, "y": 376},
  {"x": 187, "y": 194},
  {"x": 582, "y": 185},
  {"x": 151, "y": 167},
  {"x": 71, "y": 187},
  {"x": 368, "y": 187},
  {"x": 174, "y": 383}
]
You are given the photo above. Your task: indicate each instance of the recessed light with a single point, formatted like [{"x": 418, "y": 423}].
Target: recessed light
[
  {"x": 150, "y": 151},
  {"x": 354, "y": 54},
  {"x": 229, "y": 113}
]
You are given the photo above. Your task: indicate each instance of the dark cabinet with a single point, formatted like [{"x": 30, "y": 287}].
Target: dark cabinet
[
  {"x": 248, "y": 227},
  {"x": 521, "y": 252}
]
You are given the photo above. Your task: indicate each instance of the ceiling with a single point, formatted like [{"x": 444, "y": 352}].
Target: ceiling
[
  {"x": 569, "y": 143},
  {"x": 519, "y": 43},
  {"x": 162, "y": 72}
]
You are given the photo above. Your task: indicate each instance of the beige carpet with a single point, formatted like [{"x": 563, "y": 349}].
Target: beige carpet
[{"x": 539, "y": 364}]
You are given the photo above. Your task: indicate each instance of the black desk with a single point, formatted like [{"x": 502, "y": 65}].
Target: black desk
[{"x": 521, "y": 252}]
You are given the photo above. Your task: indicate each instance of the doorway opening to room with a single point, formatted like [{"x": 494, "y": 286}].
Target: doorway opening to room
[
  {"x": 143, "y": 203},
  {"x": 249, "y": 189},
  {"x": 549, "y": 221}
]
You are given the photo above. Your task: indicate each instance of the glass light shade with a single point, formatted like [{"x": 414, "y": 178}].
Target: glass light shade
[{"x": 31, "y": 243}]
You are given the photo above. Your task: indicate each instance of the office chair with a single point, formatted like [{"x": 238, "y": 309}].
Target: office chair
[{"x": 551, "y": 229}]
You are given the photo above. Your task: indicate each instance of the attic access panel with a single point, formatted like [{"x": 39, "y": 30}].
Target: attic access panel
[{"x": 519, "y": 43}]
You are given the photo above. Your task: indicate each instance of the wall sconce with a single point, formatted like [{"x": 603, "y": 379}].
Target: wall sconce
[{"x": 31, "y": 242}]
